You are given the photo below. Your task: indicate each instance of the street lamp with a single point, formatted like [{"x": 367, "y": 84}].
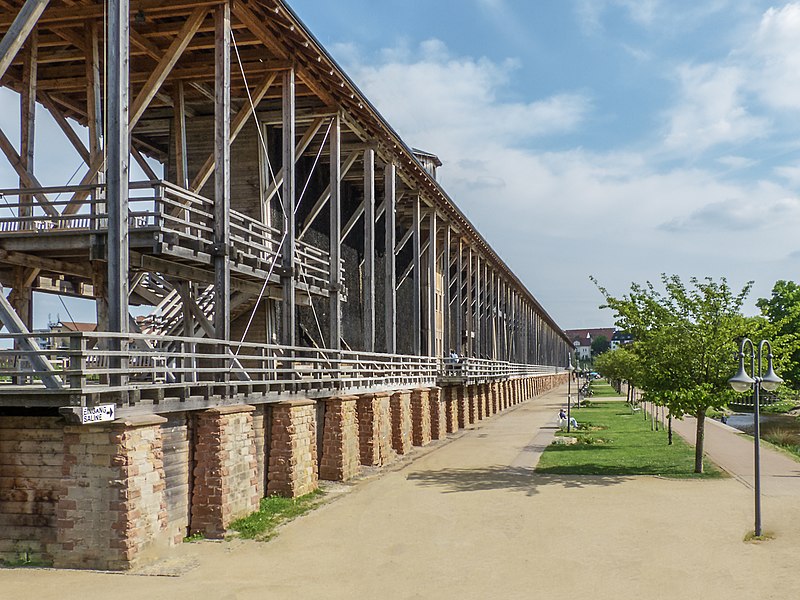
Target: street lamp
[
  {"x": 570, "y": 369},
  {"x": 742, "y": 382}
]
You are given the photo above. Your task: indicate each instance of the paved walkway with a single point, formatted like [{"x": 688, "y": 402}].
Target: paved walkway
[
  {"x": 469, "y": 519},
  {"x": 727, "y": 447}
]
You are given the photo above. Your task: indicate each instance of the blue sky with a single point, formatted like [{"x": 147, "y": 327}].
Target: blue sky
[{"x": 614, "y": 138}]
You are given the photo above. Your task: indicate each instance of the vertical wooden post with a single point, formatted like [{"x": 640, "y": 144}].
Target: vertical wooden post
[
  {"x": 117, "y": 174},
  {"x": 470, "y": 315},
  {"x": 335, "y": 234},
  {"x": 222, "y": 172},
  {"x": 478, "y": 307},
  {"x": 368, "y": 283},
  {"x": 179, "y": 127},
  {"x": 447, "y": 342},
  {"x": 459, "y": 324},
  {"x": 432, "y": 263},
  {"x": 417, "y": 296},
  {"x": 93, "y": 89},
  {"x": 390, "y": 278},
  {"x": 289, "y": 200},
  {"x": 28, "y": 120}
]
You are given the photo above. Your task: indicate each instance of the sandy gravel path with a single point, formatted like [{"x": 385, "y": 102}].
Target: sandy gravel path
[{"x": 471, "y": 520}]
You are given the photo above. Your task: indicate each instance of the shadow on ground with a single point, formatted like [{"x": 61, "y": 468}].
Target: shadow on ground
[{"x": 515, "y": 479}]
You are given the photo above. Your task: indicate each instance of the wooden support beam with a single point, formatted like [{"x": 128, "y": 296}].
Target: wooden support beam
[
  {"x": 432, "y": 269},
  {"x": 237, "y": 125},
  {"x": 142, "y": 162},
  {"x": 326, "y": 194},
  {"x": 163, "y": 68},
  {"x": 28, "y": 115},
  {"x": 289, "y": 200},
  {"x": 416, "y": 304},
  {"x": 179, "y": 128},
  {"x": 222, "y": 172},
  {"x": 446, "y": 304},
  {"x": 334, "y": 248},
  {"x": 61, "y": 121},
  {"x": 117, "y": 173},
  {"x": 45, "y": 264},
  {"x": 403, "y": 241},
  {"x": 368, "y": 280},
  {"x": 390, "y": 293},
  {"x": 18, "y": 32},
  {"x": 458, "y": 326},
  {"x": 94, "y": 115},
  {"x": 28, "y": 179},
  {"x": 298, "y": 150}
]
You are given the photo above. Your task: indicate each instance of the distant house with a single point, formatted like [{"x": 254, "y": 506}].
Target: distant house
[
  {"x": 582, "y": 339},
  {"x": 68, "y": 327},
  {"x": 621, "y": 338}
]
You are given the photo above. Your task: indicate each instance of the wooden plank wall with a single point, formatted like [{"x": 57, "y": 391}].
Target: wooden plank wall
[
  {"x": 31, "y": 457},
  {"x": 176, "y": 437}
]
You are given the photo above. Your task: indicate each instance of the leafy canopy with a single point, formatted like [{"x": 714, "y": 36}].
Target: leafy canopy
[{"x": 685, "y": 339}]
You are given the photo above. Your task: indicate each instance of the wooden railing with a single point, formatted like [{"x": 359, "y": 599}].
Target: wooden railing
[
  {"x": 188, "y": 218},
  {"x": 84, "y": 363}
]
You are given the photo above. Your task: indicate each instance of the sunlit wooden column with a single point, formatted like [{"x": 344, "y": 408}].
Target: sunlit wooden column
[
  {"x": 117, "y": 167},
  {"x": 470, "y": 310},
  {"x": 390, "y": 275},
  {"x": 288, "y": 194},
  {"x": 478, "y": 325},
  {"x": 459, "y": 313},
  {"x": 222, "y": 172},
  {"x": 447, "y": 338},
  {"x": 432, "y": 269},
  {"x": 368, "y": 281},
  {"x": 335, "y": 234},
  {"x": 416, "y": 308}
]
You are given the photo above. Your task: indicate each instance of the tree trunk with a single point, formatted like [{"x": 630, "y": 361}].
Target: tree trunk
[
  {"x": 699, "y": 439},
  {"x": 669, "y": 432}
]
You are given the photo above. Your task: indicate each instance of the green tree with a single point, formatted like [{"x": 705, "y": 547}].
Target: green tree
[
  {"x": 600, "y": 344},
  {"x": 686, "y": 341},
  {"x": 619, "y": 365},
  {"x": 782, "y": 311}
]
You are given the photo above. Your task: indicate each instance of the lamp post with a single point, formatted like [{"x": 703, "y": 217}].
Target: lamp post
[
  {"x": 570, "y": 369},
  {"x": 742, "y": 382}
]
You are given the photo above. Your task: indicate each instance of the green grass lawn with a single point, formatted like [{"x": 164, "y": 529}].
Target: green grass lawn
[
  {"x": 273, "y": 512},
  {"x": 618, "y": 442},
  {"x": 601, "y": 389}
]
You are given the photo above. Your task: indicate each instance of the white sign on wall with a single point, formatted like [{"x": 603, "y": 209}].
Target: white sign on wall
[{"x": 97, "y": 414}]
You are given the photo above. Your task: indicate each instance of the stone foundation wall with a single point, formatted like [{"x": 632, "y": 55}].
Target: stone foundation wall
[
  {"x": 340, "y": 440},
  {"x": 226, "y": 485},
  {"x": 420, "y": 417},
  {"x": 31, "y": 457},
  {"x": 293, "y": 449},
  {"x": 437, "y": 409},
  {"x": 113, "y": 506},
  {"x": 375, "y": 430},
  {"x": 400, "y": 404},
  {"x": 451, "y": 408}
]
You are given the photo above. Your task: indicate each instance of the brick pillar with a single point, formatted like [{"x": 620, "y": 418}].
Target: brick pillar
[
  {"x": 113, "y": 504},
  {"x": 293, "y": 452},
  {"x": 462, "y": 410},
  {"x": 487, "y": 399},
  {"x": 225, "y": 472},
  {"x": 421, "y": 417},
  {"x": 400, "y": 403},
  {"x": 341, "y": 459},
  {"x": 472, "y": 403},
  {"x": 438, "y": 408},
  {"x": 451, "y": 409},
  {"x": 480, "y": 400},
  {"x": 494, "y": 391},
  {"x": 375, "y": 430}
]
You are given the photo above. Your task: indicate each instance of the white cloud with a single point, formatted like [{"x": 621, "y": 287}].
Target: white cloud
[
  {"x": 619, "y": 215},
  {"x": 711, "y": 110},
  {"x": 774, "y": 55}
]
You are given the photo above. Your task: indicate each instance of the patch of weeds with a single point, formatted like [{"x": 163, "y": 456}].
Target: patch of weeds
[
  {"x": 195, "y": 537},
  {"x": 274, "y": 511},
  {"x": 765, "y": 536},
  {"x": 25, "y": 559}
]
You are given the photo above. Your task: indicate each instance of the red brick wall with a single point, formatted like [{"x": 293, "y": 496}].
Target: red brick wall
[
  {"x": 340, "y": 440},
  {"x": 420, "y": 417},
  {"x": 293, "y": 452},
  {"x": 437, "y": 409},
  {"x": 375, "y": 429},
  {"x": 400, "y": 404}
]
